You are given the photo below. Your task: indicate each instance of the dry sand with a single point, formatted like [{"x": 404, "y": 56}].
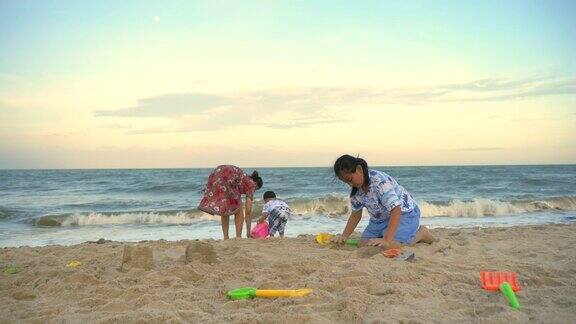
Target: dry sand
[{"x": 442, "y": 285}]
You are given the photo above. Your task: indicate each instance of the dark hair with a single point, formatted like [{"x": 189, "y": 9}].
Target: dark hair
[
  {"x": 269, "y": 194},
  {"x": 348, "y": 163},
  {"x": 257, "y": 179}
]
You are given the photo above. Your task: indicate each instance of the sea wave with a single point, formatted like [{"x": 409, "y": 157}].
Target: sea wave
[
  {"x": 104, "y": 218},
  {"x": 6, "y": 213},
  {"x": 331, "y": 205},
  {"x": 489, "y": 207}
]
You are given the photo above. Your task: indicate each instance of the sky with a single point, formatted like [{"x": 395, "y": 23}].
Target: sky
[{"x": 178, "y": 84}]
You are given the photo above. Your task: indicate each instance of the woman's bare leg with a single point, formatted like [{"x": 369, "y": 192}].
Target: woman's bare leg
[
  {"x": 423, "y": 235},
  {"x": 238, "y": 219},
  {"x": 248, "y": 219},
  {"x": 225, "y": 226}
]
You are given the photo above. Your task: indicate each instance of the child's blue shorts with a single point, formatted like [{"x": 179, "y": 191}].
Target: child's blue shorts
[
  {"x": 409, "y": 225},
  {"x": 276, "y": 223}
]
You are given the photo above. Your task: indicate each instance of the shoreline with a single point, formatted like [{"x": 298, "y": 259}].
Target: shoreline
[
  {"x": 350, "y": 285},
  {"x": 70, "y": 235}
]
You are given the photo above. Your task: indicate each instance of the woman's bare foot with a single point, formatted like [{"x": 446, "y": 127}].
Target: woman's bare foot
[{"x": 423, "y": 235}]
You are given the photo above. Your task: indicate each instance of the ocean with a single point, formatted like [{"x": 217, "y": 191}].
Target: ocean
[{"x": 45, "y": 207}]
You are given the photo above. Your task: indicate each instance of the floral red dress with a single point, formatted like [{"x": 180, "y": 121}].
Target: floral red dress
[{"x": 224, "y": 190}]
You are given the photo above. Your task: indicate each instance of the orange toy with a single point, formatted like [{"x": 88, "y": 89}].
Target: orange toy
[
  {"x": 391, "y": 253},
  {"x": 491, "y": 280}
]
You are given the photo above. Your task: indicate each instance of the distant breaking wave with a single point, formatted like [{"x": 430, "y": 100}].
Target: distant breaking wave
[
  {"x": 331, "y": 205},
  {"x": 487, "y": 207},
  {"x": 110, "y": 218}
]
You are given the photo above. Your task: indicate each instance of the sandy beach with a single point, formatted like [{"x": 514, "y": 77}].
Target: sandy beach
[{"x": 350, "y": 285}]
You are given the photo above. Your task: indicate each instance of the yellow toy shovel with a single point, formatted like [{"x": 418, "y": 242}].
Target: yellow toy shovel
[{"x": 249, "y": 292}]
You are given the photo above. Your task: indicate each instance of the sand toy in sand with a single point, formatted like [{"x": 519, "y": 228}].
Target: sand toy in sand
[
  {"x": 249, "y": 292},
  {"x": 503, "y": 281},
  {"x": 73, "y": 264},
  {"x": 10, "y": 270},
  {"x": 325, "y": 238}
]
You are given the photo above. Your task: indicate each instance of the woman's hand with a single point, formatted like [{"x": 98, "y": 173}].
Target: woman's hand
[
  {"x": 384, "y": 243},
  {"x": 340, "y": 239},
  {"x": 353, "y": 221}
]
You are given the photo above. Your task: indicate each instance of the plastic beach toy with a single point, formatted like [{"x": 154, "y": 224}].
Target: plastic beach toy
[
  {"x": 503, "y": 281},
  {"x": 491, "y": 280},
  {"x": 10, "y": 270},
  {"x": 250, "y": 292},
  {"x": 391, "y": 253},
  {"x": 260, "y": 231},
  {"x": 508, "y": 292},
  {"x": 74, "y": 264},
  {"x": 325, "y": 238}
]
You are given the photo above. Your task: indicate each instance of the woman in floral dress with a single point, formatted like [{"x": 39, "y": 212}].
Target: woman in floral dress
[{"x": 223, "y": 196}]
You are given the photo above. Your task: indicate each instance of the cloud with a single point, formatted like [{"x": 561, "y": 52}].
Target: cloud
[
  {"x": 197, "y": 112},
  {"x": 485, "y": 90},
  {"x": 522, "y": 89},
  {"x": 115, "y": 126},
  {"x": 303, "y": 107},
  {"x": 299, "y": 120},
  {"x": 476, "y": 149},
  {"x": 487, "y": 85},
  {"x": 169, "y": 105}
]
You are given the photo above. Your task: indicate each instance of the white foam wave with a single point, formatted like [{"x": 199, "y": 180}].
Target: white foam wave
[
  {"x": 179, "y": 218},
  {"x": 474, "y": 208},
  {"x": 332, "y": 205},
  {"x": 487, "y": 207}
]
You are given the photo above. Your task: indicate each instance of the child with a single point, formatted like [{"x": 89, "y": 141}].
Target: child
[
  {"x": 277, "y": 212},
  {"x": 394, "y": 215}
]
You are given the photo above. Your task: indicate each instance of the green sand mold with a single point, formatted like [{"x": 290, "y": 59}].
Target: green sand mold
[
  {"x": 242, "y": 293},
  {"x": 10, "y": 270},
  {"x": 353, "y": 242}
]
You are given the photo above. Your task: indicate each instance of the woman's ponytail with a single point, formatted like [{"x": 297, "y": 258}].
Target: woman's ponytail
[
  {"x": 257, "y": 179},
  {"x": 364, "y": 166},
  {"x": 348, "y": 163}
]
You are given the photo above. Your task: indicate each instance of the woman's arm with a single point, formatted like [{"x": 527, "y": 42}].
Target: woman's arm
[
  {"x": 353, "y": 221},
  {"x": 395, "y": 215},
  {"x": 263, "y": 218},
  {"x": 388, "y": 241}
]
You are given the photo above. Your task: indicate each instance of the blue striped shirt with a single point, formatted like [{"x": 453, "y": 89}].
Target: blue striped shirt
[{"x": 383, "y": 195}]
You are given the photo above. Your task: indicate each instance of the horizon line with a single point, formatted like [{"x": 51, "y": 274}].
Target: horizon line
[{"x": 289, "y": 167}]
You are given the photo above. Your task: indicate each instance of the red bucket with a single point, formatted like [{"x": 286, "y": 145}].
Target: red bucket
[{"x": 260, "y": 231}]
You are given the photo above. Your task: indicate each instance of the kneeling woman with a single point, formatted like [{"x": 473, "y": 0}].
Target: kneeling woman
[
  {"x": 223, "y": 196},
  {"x": 394, "y": 215}
]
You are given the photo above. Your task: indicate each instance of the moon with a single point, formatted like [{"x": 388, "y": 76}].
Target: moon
[{"x": 156, "y": 19}]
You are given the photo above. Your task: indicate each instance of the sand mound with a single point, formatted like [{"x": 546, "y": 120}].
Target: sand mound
[
  {"x": 199, "y": 251},
  {"x": 137, "y": 257}
]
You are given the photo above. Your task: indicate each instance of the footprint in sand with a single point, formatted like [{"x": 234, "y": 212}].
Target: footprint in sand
[
  {"x": 368, "y": 251},
  {"x": 23, "y": 295},
  {"x": 383, "y": 290},
  {"x": 443, "y": 248}
]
